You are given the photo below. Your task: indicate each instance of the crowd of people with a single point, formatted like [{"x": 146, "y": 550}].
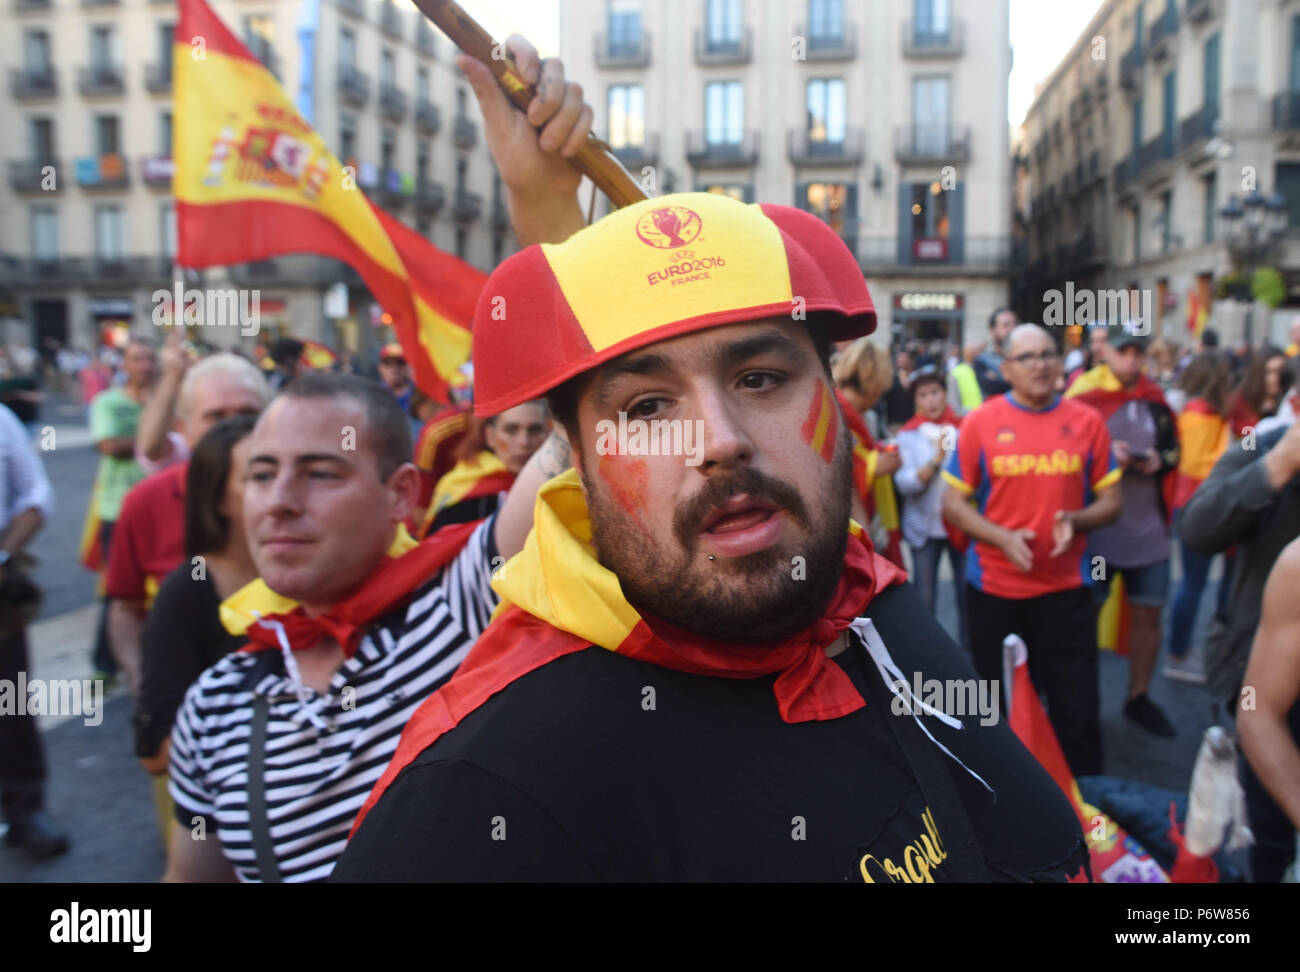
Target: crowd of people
[{"x": 371, "y": 636}]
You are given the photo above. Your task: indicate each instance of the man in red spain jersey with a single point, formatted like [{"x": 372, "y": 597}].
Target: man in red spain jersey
[{"x": 1040, "y": 472}]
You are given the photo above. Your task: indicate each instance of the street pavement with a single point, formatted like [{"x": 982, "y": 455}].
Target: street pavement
[{"x": 99, "y": 792}]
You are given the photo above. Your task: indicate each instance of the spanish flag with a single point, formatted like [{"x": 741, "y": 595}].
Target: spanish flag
[
  {"x": 253, "y": 180},
  {"x": 484, "y": 475}
]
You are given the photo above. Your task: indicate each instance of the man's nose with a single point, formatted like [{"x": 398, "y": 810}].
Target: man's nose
[{"x": 727, "y": 445}]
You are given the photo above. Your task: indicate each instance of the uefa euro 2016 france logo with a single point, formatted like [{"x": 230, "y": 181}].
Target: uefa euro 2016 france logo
[{"x": 669, "y": 227}]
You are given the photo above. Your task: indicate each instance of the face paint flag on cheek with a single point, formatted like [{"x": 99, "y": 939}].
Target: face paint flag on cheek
[{"x": 821, "y": 428}]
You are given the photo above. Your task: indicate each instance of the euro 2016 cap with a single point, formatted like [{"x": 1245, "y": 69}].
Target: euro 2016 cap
[{"x": 657, "y": 269}]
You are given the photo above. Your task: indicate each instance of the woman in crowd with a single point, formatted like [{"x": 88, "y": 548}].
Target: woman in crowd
[
  {"x": 1263, "y": 385},
  {"x": 488, "y": 460},
  {"x": 923, "y": 445},
  {"x": 1203, "y": 434},
  {"x": 183, "y": 635}
]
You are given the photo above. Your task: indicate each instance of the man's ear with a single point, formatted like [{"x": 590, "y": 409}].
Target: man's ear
[{"x": 404, "y": 482}]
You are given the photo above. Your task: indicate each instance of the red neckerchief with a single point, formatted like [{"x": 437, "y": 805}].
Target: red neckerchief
[
  {"x": 949, "y": 417},
  {"x": 809, "y": 685},
  {"x": 387, "y": 586}
]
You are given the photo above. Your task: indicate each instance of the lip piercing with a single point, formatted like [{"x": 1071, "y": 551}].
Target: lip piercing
[{"x": 711, "y": 557}]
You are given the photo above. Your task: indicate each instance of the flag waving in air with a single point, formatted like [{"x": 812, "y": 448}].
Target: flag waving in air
[{"x": 253, "y": 180}]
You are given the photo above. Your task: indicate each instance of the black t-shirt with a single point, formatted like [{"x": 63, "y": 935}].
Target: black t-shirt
[
  {"x": 569, "y": 774},
  {"x": 182, "y": 638}
]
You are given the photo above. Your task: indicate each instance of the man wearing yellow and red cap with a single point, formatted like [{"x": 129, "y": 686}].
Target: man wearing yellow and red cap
[{"x": 700, "y": 670}]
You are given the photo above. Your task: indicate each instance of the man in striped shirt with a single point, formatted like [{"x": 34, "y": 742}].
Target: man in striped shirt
[{"x": 274, "y": 750}]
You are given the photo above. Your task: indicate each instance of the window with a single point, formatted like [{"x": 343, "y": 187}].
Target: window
[
  {"x": 347, "y": 48},
  {"x": 1137, "y": 234},
  {"x": 387, "y": 68},
  {"x": 45, "y": 233},
  {"x": 42, "y": 131},
  {"x": 165, "y": 133},
  {"x": 1166, "y": 221},
  {"x": 1288, "y": 184},
  {"x": 109, "y": 233},
  {"x": 1139, "y": 28},
  {"x": 462, "y": 167},
  {"x": 724, "y": 112},
  {"x": 834, "y": 202},
  {"x": 825, "y": 20},
  {"x": 422, "y": 85},
  {"x": 1295, "y": 53},
  {"x": 826, "y": 112},
  {"x": 387, "y": 149},
  {"x": 933, "y": 20},
  {"x": 626, "y": 115},
  {"x": 461, "y": 239},
  {"x": 422, "y": 164},
  {"x": 167, "y": 229},
  {"x": 1210, "y": 183},
  {"x": 929, "y": 211},
  {"x": 1210, "y": 78},
  {"x": 460, "y": 101},
  {"x": 259, "y": 35},
  {"x": 36, "y": 52},
  {"x": 347, "y": 138},
  {"x": 103, "y": 49},
  {"x": 930, "y": 114},
  {"x": 722, "y": 24},
  {"x": 624, "y": 28},
  {"x": 1170, "y": 119},
  {"x": 498, "y": 247},
  {"x": 1136, "y": 133},
  {"x": 107, "y": 141},
  {"x": 166, "y": 38}
]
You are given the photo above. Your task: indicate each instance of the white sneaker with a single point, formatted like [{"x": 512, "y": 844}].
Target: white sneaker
[{"x": 1186, "y": 669}]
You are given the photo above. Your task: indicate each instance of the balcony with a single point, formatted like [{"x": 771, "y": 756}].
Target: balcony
[
  {"x": 931, "y": 144},
  {"x": 1102, "y": 86},
  {"x": 711, "y": 51},
  {"x": 428, "y": 117},
  {"x": 1198, "y": 127},
  {"x": 623, "y": 52},
  {"x": 1199, "y": 11},
  {"x": 1126, "y": 171},
  {"x": 99, "y": 3},
  {"x": 722, "y": 153},
  {"x": 1130, "y": 69},
  {"x": 30, "y": 6},
  {"x": 638, "y": 154},
  {"x": 1093, "y": 171},
  {"x": 35, "y": 175},
  {"x": 922, "y": 40},
  {"x": 157, "y": 171},
  {"x": 296, "y": 269},
  {"x": 424, "y": 40},
  {"x": 392, "y": 189},
  {"x": 158, "y": 78},
  {"x": 808, "y": 151},
  {"x": 429, "y": 196},
  {"x": 933, "y": 256},
  {"x": 112, "y": 269},
  {"x": 1164, "y": 32},
  {"x": 357, "y": 8},
  {"x": 34, "y": 82},
  {"x": 390, "y": 19},
  {"x": 103, "y": 79},
  {"x": 102, "y": 172},
  {"x": 466, "y": 206},
  {"x": 1159, "y": 149},
  {"x": 353, "y": 86},
  {"x": 464, "y": 132},
  {"x": 499, "y": 215},
  {"x": 46, "y": 270},
  {"x": 1286, "y": 110},
  {"x": 831, "y": 45},
  {"x": 392, "y": 102},
  {"x": 1084, "y": 253}
]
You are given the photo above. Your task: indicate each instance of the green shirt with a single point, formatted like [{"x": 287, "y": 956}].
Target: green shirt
[{"x": 114, "y": 415}]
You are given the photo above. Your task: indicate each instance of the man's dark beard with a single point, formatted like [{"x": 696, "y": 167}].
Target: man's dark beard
[{"x": 741, "y": 599}]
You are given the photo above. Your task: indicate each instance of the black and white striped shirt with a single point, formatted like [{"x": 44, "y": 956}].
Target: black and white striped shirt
[{"x": 317, "y": 778}]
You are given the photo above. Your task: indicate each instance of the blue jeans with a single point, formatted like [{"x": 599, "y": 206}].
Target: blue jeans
[
  {"x": 1187, "y": 600},
  {"x": 925, "y": 575}
]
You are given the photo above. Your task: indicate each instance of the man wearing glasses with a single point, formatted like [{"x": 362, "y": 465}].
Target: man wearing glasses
[{"x": 1031, "y": 474}]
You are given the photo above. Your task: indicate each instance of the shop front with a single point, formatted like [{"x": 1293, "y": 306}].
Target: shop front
[{"x": 933, "y": 318}]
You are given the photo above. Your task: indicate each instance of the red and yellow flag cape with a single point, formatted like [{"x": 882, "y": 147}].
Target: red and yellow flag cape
[
  {"x": 253, "y": 180},
  {"x": 484, "y": 475}
]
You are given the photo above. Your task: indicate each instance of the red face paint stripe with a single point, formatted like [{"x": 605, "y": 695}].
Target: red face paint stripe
[
  {"x": 815, "y": 408},
  {"x": 628, "y": 481},
  {"x": 832, "y": 427}
]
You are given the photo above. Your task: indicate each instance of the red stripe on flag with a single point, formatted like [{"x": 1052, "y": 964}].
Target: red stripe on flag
[{"x": 198, "y": 22}]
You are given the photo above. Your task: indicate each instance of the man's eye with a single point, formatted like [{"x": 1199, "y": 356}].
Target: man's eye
[
  {"x": 322, "y": 474},
  {"x": 646, "y": 407},
  {"x": 760, "y": 380}
]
